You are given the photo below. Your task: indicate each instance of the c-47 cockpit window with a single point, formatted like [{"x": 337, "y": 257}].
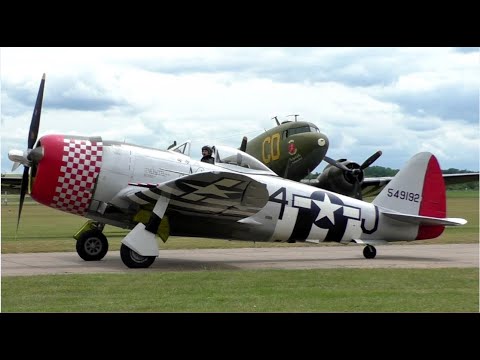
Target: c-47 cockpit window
[{"x": 298, "y": 130}]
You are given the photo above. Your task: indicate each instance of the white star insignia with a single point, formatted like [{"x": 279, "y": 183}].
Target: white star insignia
[{"x": 326, "y": 209}]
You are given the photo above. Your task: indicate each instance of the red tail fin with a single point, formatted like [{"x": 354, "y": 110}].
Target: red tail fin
[{"x": 434, "y": 201}]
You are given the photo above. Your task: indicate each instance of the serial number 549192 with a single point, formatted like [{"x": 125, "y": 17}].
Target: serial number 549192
[{"x": 403, "y": 195}]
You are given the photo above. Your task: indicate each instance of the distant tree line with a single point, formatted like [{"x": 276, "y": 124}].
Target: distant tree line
[{"x": 379, "y": 171}]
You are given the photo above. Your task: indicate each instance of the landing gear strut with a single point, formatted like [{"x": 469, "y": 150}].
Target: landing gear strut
[
  {"x": 92, "y": 245},
  {"x": 369, "y": 252}
]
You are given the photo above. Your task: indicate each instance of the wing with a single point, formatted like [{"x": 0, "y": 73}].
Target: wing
[
  {"x": 459, "y": 178},
  {"x": 13, "y": 181},
  {"x": 224, "y": 194},
  {"x": 373, "y": 186}
]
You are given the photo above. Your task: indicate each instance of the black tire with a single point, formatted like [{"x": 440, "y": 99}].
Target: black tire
[
  {"x": 134, "y": 260},
  {"x": 369, "y": 252},
  {"x": 92, "y": 245}
]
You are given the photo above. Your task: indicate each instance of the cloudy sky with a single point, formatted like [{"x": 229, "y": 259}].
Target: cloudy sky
[{"x": 398, "y": 100}]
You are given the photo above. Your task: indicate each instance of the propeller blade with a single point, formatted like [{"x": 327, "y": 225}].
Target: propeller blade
[
  {"x": 35, "y": 155},
  {"x": 243, "y": 146},
  {"x": 336, "y": 164},
  {"x": 371, "y": 160},
  {"x": 23, "y": 191},
  {"x": 35, "y": 124},
  {"x": 357, "y": 190},
  {"x": 15, "y": 166},
  {"x": 285, "y": 175}
]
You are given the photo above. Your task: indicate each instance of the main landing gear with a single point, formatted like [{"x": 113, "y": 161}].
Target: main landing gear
[
  {"x": 369, "y": 252},
  {"x": 92, "y": 245},
  {"x": 134, "y": 260}
]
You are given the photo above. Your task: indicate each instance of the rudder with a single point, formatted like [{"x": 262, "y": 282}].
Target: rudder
[{"x": 417, "y": 189}]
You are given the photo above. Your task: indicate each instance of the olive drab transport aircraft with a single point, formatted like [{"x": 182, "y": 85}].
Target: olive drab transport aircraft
[
  {"x": 165, "y": 192},
  {"x": 293, "y": 149}
]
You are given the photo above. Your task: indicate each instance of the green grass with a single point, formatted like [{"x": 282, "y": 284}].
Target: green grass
[
  {"x": 463, "y": 193},
  {"x": 320, "y": 290},
  {"x": 43, "y": 229},
  {"x": 460, "y": 204}
]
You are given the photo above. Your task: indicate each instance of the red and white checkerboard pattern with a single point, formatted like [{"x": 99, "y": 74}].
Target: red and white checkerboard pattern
[{"x": 80, "y": 167}]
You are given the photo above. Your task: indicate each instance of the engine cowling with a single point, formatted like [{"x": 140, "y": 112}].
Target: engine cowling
[
  {"x": 65, "y": 175},
  {"x": 345, "y": 177},
  {"x": 337, "y": 180}
]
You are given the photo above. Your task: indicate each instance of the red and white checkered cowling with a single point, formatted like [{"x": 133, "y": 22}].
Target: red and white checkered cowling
[{"x": 67, "y": 173}]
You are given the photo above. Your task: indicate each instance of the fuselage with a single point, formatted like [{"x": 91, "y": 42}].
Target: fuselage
[
  {"x": 292, "y": 150},
  {"x": 85, "y": 176}
]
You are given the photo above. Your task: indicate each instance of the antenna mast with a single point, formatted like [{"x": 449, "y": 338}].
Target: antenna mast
[{"x": 295, "y": 116}]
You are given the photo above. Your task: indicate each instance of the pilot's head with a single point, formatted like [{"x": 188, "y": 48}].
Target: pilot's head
[{"x": 206, "y": 151}]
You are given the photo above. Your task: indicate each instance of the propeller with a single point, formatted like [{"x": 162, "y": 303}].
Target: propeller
[
  {"x": 31, "y": 156},
  {"x": 370, "y": 160},
  {"x": 354, "y": 174},
  {"x": 243, "y": 146},
  {"x": 285, "y": 175}
]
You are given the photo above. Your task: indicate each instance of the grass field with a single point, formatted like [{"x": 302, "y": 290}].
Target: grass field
[
  {"x": 320, "y": 290},
  {"x": 43, "y": 229}
]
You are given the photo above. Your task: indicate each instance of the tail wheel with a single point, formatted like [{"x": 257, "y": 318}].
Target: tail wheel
[
  {"x": 369, "y": 252},
  {"x": 92, "y": 245},
  {"x": 133, "y": 259}
]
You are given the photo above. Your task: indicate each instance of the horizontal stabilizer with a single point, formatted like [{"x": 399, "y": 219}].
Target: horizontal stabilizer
[{"x": 424, "y": 220}]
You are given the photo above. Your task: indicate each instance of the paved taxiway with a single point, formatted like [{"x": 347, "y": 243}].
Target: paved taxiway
[{"x": 388, "y": 256}]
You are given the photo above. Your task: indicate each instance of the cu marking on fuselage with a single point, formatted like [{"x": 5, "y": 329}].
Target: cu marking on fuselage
[{"x": 271, "y": 148}]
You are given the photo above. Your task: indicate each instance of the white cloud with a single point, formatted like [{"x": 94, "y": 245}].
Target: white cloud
[{"x": 398, "y": 100}]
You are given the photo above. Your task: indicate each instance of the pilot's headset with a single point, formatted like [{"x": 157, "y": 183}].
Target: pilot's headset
[{"x": 208, "y": 148}]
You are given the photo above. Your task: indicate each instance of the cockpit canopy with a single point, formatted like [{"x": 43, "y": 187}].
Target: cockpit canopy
[
  {"x": 182, "y": 148},
  {"x": 231, "y": 158},
  {"x": 299, "y": 130}
]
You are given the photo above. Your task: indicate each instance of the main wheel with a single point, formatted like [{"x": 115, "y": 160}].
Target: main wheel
[
  {"x": 92, "y": 245},
  {"x": 369, "y": 252},
  {"x": 134, "y": 260}
]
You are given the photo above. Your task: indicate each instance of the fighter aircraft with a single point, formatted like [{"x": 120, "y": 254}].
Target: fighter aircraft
[
  {"x": 166, "y": 192},
  {"x": 293, "y": 149}
]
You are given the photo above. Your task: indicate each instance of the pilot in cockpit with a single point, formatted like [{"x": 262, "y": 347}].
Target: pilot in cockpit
[{"x": 207, "y": 154}]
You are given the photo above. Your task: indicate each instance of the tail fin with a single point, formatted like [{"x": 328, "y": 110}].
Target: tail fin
[{"x": 418, "y": 189}]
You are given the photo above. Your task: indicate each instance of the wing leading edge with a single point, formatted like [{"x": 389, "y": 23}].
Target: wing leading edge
[{"x": 373, "y": 186}]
